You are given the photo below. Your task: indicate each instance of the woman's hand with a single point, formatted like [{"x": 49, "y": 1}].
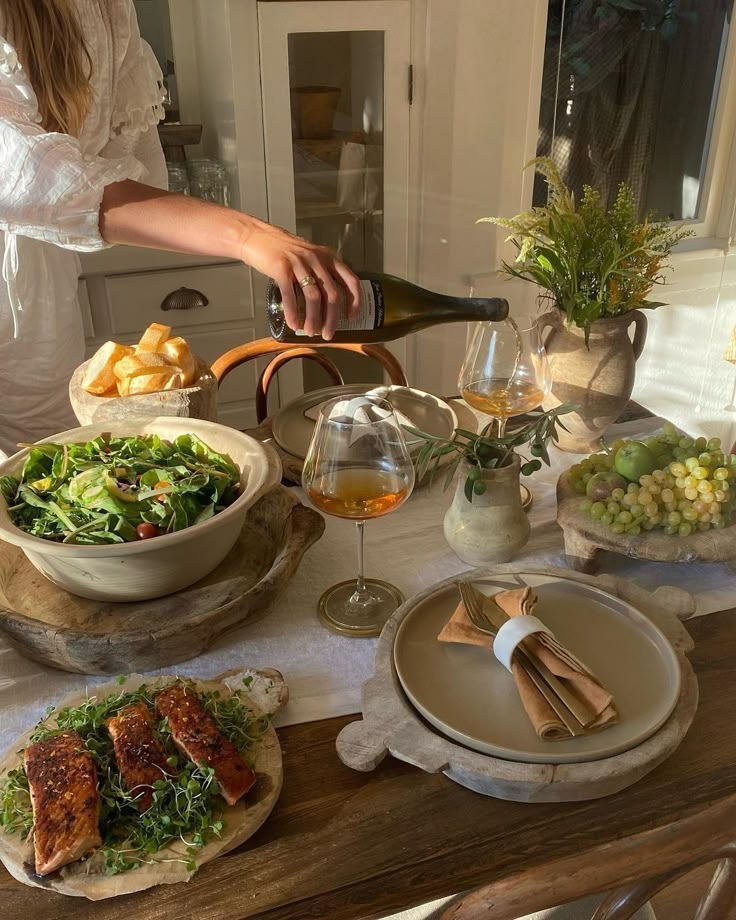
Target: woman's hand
[{"x": 289, "y": 259}]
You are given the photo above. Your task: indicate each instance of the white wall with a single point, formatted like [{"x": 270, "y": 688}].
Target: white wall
[{"x": 682, "y": 373}]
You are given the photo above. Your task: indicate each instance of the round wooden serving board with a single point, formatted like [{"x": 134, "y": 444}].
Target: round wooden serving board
[
  {"x": 585, "y": 538},
  {"x": 47, "y": 624},
  {"x": 390, "y": 724},
  {"x": 266, "y": 693}
]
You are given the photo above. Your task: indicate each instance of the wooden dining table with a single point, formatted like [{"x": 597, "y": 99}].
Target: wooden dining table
[
  {"x": 345, "y": 845},
  {"x": 342, "y": 845}
]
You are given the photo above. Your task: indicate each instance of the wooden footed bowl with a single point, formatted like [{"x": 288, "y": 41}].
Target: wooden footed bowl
[
  {"x": 76, "y": 634},
  {"x": 585, "y": 538}
]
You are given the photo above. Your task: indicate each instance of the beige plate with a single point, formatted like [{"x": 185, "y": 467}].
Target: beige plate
[
  {"x": 467, "y": 695},
  {"x": 292, "y": 427}
]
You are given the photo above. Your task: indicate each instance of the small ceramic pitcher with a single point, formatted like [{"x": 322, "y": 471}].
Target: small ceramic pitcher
[{"x": 493, "y": 527}]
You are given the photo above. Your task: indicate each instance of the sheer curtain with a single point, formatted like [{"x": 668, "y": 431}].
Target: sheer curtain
[{"x": 626, "y": 96}]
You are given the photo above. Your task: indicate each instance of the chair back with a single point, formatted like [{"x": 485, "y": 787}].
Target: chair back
[{"x": 284, "y": 352}]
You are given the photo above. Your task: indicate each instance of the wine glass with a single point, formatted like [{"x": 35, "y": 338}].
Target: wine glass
[
  {"x": 505, "y": 371},
  {"x": 358, "y": 467}
]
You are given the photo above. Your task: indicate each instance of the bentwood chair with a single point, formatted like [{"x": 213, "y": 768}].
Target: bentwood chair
[{"x": 285, "y": 352}]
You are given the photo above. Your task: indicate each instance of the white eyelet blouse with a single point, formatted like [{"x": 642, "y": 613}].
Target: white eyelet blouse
[{"x": 51, "y": 187}]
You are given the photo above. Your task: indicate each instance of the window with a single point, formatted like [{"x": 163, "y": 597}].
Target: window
[{"x": 629, "y": 94}]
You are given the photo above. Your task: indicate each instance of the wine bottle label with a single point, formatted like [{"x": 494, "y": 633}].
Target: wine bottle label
[{"x": 370, "y": 316}]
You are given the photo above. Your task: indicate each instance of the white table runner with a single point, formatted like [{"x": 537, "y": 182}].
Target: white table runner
[{"x": 325, "y": 671}]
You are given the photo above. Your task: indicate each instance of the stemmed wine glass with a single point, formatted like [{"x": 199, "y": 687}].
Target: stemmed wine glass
[
  {"x": 358, "y": 467},
  {"x": 505, "y": 371}
]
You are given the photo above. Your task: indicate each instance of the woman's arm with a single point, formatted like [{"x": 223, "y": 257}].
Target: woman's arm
[{"x": 140, "y": 215}]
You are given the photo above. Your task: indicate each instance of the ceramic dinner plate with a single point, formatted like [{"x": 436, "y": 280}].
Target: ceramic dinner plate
[
  {"x": 467, "y": 695},
  {"x": 293, "y": 424}
]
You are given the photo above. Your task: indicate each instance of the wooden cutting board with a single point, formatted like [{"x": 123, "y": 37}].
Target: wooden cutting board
[
  {"x": 586, "y": 538},
  {"x": 72, "y": 633},
  {"x": 266, "y": 694}
]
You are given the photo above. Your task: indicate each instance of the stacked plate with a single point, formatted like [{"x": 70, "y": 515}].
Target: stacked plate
[
  {"x": 464, "y": 693},
  {"x": 293, "y": 424}
]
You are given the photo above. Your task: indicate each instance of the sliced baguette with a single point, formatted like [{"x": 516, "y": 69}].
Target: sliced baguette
[
  {"x": 153, "y": 338},
  {"x": 134, "y": 364},
  {"x": 179, "y": 353},
  {"x": 99, "y": 378},
  {"x": 151, "y": 380}
]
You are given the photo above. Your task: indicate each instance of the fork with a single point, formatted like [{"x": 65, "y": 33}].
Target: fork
[{"x": 478, "y": 618}]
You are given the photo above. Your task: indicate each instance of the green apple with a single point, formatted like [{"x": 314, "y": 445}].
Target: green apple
[
  {"x": 601, "y": 485},
  {"x": 634, "y": 460}
]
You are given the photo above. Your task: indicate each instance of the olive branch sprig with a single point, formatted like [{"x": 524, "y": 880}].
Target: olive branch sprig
[{"x": 482, "y": 451}]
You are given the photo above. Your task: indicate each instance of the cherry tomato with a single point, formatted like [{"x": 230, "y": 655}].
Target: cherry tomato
[
  {"x": 161, "y": 485},
  {"x": 146, "y": 530}
]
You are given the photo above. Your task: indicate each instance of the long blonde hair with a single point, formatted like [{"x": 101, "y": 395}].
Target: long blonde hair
[{"x": 48, "y": 38}]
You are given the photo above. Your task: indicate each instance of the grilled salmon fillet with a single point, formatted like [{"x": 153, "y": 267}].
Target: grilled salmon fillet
[
  {"x": 196, "y": 735},
  {"x": 62, "y": 780},
  {"x": 140, "y": 757}
]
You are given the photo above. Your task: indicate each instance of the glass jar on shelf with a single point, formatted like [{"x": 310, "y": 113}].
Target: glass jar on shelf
[
  {"x": 178, "y": 178},
  {"x": 208, "y": 180}
]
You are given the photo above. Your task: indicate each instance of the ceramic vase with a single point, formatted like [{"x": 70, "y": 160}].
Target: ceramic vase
[
  {"x": 492, "y": 527},
  {"x": 597, "y": 377}
]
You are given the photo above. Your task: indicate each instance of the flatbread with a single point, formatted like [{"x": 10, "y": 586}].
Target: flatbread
[{"x": 266, "y": 694}]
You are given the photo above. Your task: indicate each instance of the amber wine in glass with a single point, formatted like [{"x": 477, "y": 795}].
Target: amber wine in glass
[
  {"x": 358, "y": 467},
  {"x": 505, "y": 371}
]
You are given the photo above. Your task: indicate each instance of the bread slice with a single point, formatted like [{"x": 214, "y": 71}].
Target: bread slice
[
  {"x": 179, "y": 353},
  {"x": 151, "y": 380},
  {"x": 133, "y": 364},
  {"x": 99, "y": 377},
  {"x": 153, "y": 338}
]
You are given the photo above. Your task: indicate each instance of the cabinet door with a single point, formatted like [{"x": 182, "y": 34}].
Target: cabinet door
[{"x": 335, "y": 87}]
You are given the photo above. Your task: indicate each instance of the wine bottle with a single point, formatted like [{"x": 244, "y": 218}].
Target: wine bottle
[{"x": 389, "y": 309}]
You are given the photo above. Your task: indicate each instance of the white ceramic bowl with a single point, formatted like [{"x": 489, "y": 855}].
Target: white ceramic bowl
[{"x": 162, "y": 565}]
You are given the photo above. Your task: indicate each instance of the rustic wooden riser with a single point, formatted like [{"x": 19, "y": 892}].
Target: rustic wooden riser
[
  {"x": 75, "y": 634},
  {"x": 391, "y": 725},
  {"x": 586, "y": 538}
]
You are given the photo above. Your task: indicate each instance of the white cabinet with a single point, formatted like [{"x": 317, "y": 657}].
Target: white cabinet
[{"x": 335, "y": 84}]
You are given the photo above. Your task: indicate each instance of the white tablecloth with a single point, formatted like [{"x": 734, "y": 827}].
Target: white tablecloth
[{"x": 325, "y": 671}]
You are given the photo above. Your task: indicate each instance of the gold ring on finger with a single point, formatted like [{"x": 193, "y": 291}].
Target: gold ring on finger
[{"x": 308, "y": 280}]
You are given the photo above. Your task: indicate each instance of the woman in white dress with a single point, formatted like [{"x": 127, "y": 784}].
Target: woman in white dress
[{"x": 81, "y": 168}]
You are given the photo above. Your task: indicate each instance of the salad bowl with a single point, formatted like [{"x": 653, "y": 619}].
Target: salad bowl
[{"x": 148, "y": 568}]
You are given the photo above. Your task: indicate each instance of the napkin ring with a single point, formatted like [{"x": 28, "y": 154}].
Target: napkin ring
[{"x": 514, "y": 631}]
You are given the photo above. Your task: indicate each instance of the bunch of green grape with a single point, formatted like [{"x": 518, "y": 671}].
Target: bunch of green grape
[{"x": 692, "y": 489}]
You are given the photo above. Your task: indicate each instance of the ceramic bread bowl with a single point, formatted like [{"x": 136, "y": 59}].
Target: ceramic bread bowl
[
  {"x": 149, "y": 568},
  {"x": 196, "y": 401}
]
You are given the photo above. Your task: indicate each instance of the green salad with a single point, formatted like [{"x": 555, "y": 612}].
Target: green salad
[{"x": 119, "y": 490}]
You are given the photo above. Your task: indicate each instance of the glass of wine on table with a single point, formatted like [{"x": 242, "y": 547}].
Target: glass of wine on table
[
  {"x": 358, "y": 467},
  {"x": 505, "y": 372}
]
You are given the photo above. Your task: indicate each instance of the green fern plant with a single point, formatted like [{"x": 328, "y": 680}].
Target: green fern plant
[{"x": 592, "y": 262}]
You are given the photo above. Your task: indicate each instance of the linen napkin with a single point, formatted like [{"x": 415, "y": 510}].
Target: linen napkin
[{"x": 578, "y": 678}]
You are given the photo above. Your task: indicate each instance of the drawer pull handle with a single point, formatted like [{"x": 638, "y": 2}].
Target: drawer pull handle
[{"x": 184, "y": 298}]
